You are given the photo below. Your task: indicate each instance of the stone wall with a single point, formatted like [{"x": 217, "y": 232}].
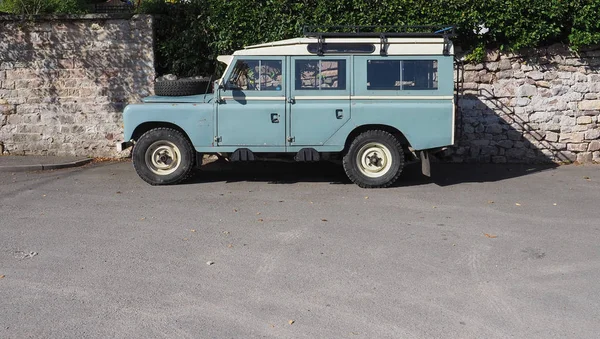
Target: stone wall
[
  {"x": 542, "y": 105},
  {"x": 65, "y": 80}
]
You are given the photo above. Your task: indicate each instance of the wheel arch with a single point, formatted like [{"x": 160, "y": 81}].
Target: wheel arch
[
  {"x": 146, "y": 126},
  {"x": 390, "y": 129}
]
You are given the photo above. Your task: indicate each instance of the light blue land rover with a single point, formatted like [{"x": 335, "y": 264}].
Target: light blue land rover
[{"x": 369, "y": 99}]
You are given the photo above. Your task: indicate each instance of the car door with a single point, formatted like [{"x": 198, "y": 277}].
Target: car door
[
  {"x": 320, "y": 98},
  {"x": 251, "y": 111}
]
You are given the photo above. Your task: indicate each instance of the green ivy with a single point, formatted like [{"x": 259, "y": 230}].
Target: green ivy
[
  {"x": 586, "y": 25},
  {"x": 477, "y": 54}
]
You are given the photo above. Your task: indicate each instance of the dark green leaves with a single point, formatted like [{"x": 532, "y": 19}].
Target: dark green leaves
[{"x": 191, "y": 34}]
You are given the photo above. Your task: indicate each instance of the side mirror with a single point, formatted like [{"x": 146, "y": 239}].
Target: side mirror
[{"x": 230, "y": 84}]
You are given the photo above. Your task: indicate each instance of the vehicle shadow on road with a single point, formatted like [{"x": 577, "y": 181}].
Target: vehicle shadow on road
[
  {"x": 443, "y": 174},
  {"x": 448, "y": 174},
  {"x": 272, "y": 172}
]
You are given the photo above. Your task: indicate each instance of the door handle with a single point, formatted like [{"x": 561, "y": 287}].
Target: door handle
[
  {"x": 339, "y": 113},
  {"x": 275, "y": 118}
]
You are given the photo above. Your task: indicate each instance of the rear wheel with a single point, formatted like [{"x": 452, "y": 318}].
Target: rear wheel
[
  {"x": 374, "y": 159},
  {"x": 163, "y": 156}
]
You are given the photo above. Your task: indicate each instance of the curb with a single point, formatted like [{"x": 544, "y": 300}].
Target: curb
[{"x": 28, "y": 168}]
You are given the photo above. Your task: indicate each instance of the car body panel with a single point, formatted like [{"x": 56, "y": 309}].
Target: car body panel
[
  {"x": 317, "y": 112},
  {"x": 252, "y": 117},
  {"x": 196, "y": 120}
]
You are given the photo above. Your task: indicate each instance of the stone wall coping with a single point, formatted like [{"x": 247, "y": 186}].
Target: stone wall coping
[{"x": 72, "y": 17}]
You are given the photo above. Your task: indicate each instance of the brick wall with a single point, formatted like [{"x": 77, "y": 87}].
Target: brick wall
[{"x": 65, "y": 80}]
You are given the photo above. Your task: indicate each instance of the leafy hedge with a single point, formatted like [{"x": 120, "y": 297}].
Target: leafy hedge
[
  {"x": 586, "y": 24},
  {"x": 191, "y": 33},
  {"x": 184, "y": 42}
]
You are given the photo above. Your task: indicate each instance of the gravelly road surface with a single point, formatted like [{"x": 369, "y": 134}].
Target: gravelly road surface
[{"x": 477, "y": 252}]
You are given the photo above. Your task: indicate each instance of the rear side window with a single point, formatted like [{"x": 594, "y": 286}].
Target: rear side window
[
  {"x": 256, "y": 75},
  {"x": 398, "y": 75},
  {"x": 328, "y": 74}
]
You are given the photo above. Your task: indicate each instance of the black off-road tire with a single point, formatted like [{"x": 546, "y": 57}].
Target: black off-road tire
[
  {"x": 150, "y": 143},
  {"x": 180, "y": 87},
  {"x": 363, "y": 142}
]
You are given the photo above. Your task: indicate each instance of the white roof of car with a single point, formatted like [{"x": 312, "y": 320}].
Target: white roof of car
[{"x": 396, "y": 46}]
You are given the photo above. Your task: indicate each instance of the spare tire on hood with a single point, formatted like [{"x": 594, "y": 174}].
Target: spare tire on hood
[{"x": 180, "y": 87}]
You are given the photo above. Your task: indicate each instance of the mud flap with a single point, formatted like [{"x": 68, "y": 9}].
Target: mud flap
[
  {"x": 425, "y": 164},
  {"x": 121, "y": 146},
  {"x": 242, "y": 154},
  {"x": 307, "y": 155}
]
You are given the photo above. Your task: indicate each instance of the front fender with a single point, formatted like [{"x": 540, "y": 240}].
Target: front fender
[{"x": 196, "y": 120}]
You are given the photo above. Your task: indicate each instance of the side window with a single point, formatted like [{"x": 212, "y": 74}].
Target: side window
[
  {"x": 398, "y": 75},
  {"x": 419, "y": 74},
  {"x": 384, "y": 74},
  {"x": 256, "y": 75},
  {"x": 320, "y": 74}
]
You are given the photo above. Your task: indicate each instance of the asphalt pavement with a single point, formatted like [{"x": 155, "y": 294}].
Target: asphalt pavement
[
  {"x": 16, "y": 163},
  {"x": 296, "y": 251}
]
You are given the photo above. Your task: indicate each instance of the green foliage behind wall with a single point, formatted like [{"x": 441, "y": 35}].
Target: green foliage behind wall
[
  {"x": 36, "y": 7},
  {"x": 191, "y": 33}
]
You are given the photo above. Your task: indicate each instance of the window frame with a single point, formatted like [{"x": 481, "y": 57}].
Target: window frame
[
  {"x": 320, "y": 71},
  {"x": 252, "y": 92},
  {"x": 400, "y": 64},
  {"x": 445, "y": 76},
  {"x": 336, "y": 92}
]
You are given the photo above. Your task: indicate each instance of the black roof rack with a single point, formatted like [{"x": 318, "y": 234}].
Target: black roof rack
[
  {"x": 377, "y": 31},
  {"x": 381, "y": 32}
]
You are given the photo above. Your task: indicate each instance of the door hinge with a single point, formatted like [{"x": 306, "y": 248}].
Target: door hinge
[
  {"x": 291, "y": 139},
  {"x": 291, "y": 101},
  {"x": 218, "y": 139}
]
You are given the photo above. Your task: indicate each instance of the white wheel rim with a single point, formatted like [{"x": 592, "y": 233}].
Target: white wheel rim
[
  {"x": 374, "y": 160},
  {"x": 163, "y": 157}
]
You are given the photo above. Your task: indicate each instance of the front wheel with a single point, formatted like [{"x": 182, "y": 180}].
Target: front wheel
[
  {"x": 163, "y": 156},
  {"x": 374, "y": 159}
]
